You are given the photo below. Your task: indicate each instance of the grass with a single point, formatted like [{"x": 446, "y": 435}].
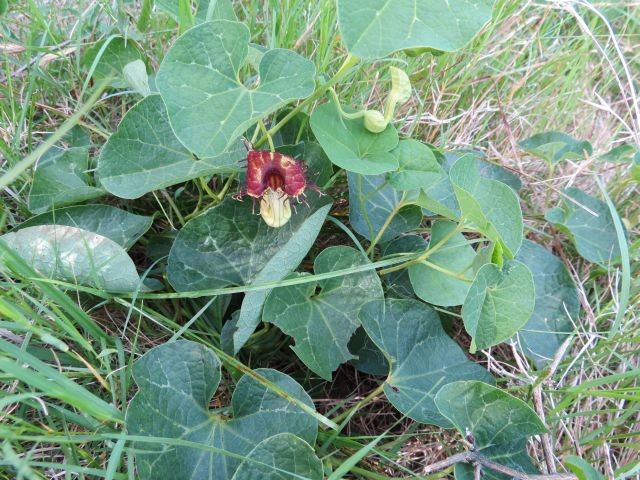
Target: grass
[{"x": 567, "y": 66}]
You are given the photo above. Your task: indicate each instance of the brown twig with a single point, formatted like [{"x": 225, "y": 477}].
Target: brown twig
[{"x": 476, "y": 458}]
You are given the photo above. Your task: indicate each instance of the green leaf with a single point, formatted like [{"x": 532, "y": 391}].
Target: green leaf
[
  {"x": 145, "y": 155},
  {"x": 429, "y": 281},
  {"x": 621, "y": 154},
  {"x": 322, "y": 323},
  {"x": 371, "y": 203},
  {"x": 278, "y": 266},
  {"x": 283, "y": 456},
  {"x": 351, "y": 146},
  {"x": 554, "y": 147},
  {"x": 61, "y": 178},
  {"x": 376, "y": 28},
  {"x": 115, "y": 56},
  {"x": 485, "y": 168},
  {"x": 135, "y": 74},
  {"x": 399, "y": 282},
  {"x": 592, "y": 231},
  {"x": 75, "y": 255},
  {"x": 208, "y": 106},
  {"x": 176, "y": 382},
  {"x": 582, "y": 469},
  {"x": 220, "y": 9},
  {"x": 122, "y": 227},
  {"x": 499, "y": 423},
  {"x": 423, "y": 358},
  {"x": 491, "y": 205},
  {"x": 418, "y": 167},
  {"x": 498, "y": 304},
  {"x": 556, "y": 304}
]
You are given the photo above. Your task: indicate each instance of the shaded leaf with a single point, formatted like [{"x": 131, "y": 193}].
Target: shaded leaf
[
  {"x": 369, "y": 358},
  {"x": 282, "y": 456},
  {"x": 209, "y": 108},
  {"x": 116, "y": 55},
  {"x": 371, "y": 203},
  {"x": 621, "y": 154},
  {"x": 322, "y": 323},
  {"x": 593, "y": 234},
  {"x": 351, "y": 146},
  {"x": 498, "y": 304},
  {"x": 376, "y": 28},
  {"x": 423, "y": 358},
  {"x": 145, "y": 155},
  {"x": 122, "y": 227},
  {"x": 429, "y": 281},
  {"x": 556, "y": 303},
  {"x": 500, "y": 424},
  {"x": 175, "y": 384},
  {"x": 581, "y": 468},
  {"x": 60, "y": 179},
  {"x": 556, "y": 146},
  {"x": 76, "y": 256},
  {"x": 491, "y": 205}
]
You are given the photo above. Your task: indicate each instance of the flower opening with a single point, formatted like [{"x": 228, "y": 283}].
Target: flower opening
[{"x": 274, "y": 179}]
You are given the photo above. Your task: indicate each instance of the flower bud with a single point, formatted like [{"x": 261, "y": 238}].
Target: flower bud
[{"x": 374, "y": 121}]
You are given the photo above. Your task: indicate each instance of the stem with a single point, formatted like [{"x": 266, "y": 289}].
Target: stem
[
  {"x": 346, "y": 115},
  {"x": 384, "y": 227},
  {"x": 371, "y": 396},
  {"x": 349, "y": 62},
  {"x": 206, "y": 188},
  {"x": 428, "y": 253},
  {"x": 475, "y": 457},
  {"x": 440, "y": 269},
  {"x": 266, "y": 134}
]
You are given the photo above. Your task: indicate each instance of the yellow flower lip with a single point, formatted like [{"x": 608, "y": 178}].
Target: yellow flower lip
[{"x": 275, "y": 207}]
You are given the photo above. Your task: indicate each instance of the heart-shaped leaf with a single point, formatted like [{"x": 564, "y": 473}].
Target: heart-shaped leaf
[
  {"x": 114, "y": 56},
  {"x": 556, "y": 305},
  {"x": 122, "y": 227},
  {"x": 351, "y": 146},
  {"x": 486, "y": 169},
  {"x": 556, "y": 146},
  {"x": 491, "y": 205},
  {"x": 371, "y": 203},
  {"x": 145, "y": 155},
  {"x": 423, "y": 358},
  {"x": 60, "y": 179},
  {"x": 499, "y": 423},
  {"x": 209, "y": 108},
  {"x": 445, "y": 277},
  {"x": 176, "y": 382},
  {"x": 279, "y": 265},
  {"x": 376, "y": 28},
  {"x": 322, "y": 323},
  {"x": 281, "y": 457},
  {"x": 589, "y": 224},
  {"x": 498, "y": 304},
  {"x": 75, "y": 255},
  {"x": 399, "y": 282},
  {"x": 418, "y": 167}
]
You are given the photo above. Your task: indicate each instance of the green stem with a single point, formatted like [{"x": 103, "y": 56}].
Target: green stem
[
  {"x": 428, "y": 253},
  {"x": 348, "y": 413},
  {"x": 458, "y": 276},
  {"x": 346, "y": 115},
  {"x": 349, "y": 62},
  {"x": 384, "y": 227},
  {"x": 266, "y": 134}
]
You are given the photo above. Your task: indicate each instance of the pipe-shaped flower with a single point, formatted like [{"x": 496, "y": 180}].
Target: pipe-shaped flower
[{"x": 274, "y": 179}]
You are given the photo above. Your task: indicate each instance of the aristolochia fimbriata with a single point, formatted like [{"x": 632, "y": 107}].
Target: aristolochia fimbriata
[{"x": 274, "y": 179}]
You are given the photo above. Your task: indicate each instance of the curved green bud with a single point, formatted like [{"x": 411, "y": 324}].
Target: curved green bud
[
  {"x": 400, "y": 85},
  {"x": 374, "y": 121}
]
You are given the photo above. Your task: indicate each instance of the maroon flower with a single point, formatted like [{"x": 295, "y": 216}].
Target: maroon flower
[{"x": 274, "y": 179}]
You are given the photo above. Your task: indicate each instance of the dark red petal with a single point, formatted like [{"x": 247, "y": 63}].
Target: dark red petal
[{"x": 262, "y": 163}]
